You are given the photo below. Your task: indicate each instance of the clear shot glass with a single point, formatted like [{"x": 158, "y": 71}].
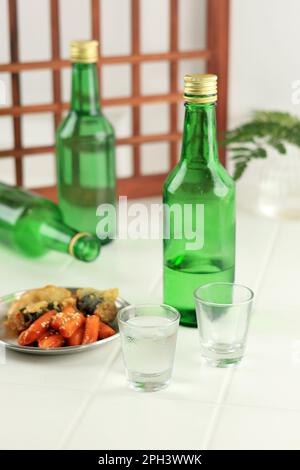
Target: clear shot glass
[
  {"x": 148, "y": 334},
  {"x": 223, "y": 313}
]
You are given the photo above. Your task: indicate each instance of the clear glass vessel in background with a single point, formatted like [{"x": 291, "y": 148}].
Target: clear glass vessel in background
[
  {"x": 85, "y": 148},
  {"x": 198, "y": 179},
  {"x": 34, "y": 225},
  {"x": 148, "y": 334},
  {"x": 271, "y": 186},
  {"x": 223, "y": 314}
]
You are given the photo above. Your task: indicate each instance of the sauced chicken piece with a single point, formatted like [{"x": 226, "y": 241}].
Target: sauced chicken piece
[{"x": 99, "y": 302}]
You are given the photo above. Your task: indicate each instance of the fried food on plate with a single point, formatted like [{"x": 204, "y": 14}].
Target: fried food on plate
[
  {"x": 53, "y": 317},
  {"x": 98, "y": 302},
  {"x": 91, "y": 330},
  {"x": 37, "y": 329},
  {"x": 33, "y": 303}
]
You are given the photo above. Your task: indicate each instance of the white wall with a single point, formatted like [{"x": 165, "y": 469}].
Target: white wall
[
  {"x": 264, "y": 61},
  {"x": 264, "y": 56}
]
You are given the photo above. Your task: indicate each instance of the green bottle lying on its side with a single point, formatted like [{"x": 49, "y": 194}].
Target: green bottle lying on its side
[{"x": 34, "y": 225}]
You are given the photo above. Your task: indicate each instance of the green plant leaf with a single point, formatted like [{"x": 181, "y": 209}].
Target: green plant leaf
[
  {"x": 282, "y": 118},
  {"x": 279, "y": 146},
  {"x": 241, "y": 156},
  {"x": 266, "y": 129},
  {"x": 239, "y": 169},
  {"x": 239, "y": 149},
  {"x": 259, "y": 152}
]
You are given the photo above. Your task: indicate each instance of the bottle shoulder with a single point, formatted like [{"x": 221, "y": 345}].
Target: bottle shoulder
[
  {"x": 199, "y": 180},
  {"x": 16, "y": 200},
  {"x": 76, "y": 125},
  {"x": 43, "y": 209},
  {"x": 225, "y": 176}
]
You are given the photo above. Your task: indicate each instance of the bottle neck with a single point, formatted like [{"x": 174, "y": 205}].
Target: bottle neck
[
  {"x": 55, "y": 235},
  {"x": 85, "y": 94},
  {"x": 199, "y": 144}
]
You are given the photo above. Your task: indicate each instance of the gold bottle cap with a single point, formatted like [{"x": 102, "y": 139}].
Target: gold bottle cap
[
  {"x": 84, "y": 52},
  {"x": 75, "y": 239},
  {"x": 200, "y": 88}
]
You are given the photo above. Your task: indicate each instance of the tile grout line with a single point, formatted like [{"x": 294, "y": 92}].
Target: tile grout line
[
  {"x": 155, "y": 284},
  {"x": 261, "y": 407},
  {"x": 66, "y": 264},
  {"x": 67, "y": 434},
  {"x": 269, "y": 251},
  {"x": 216, "y": 411},
  {"x": 227, "y": 381}
]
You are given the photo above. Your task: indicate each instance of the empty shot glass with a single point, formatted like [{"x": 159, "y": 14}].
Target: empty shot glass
[
  {"x": 223, "y": 314},
  {"x": 148, "y": 334}
]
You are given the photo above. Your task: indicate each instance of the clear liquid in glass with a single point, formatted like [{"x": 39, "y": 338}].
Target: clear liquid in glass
[{"x": 148, "y": 348}]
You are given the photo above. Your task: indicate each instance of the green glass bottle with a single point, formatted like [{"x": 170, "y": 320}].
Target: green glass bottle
[
  {"x": 199, "y": 245},
  {"x": 85, "y": 149},
  {"x": 34, "y": 225}
]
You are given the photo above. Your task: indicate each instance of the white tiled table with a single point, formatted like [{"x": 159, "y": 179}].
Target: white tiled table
[{"x": 82, "y": 401}]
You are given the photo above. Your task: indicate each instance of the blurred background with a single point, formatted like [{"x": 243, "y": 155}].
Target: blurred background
[{"x": 262, "y": 66}]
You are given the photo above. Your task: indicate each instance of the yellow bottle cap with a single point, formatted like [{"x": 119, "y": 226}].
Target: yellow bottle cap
[
  {"x": 200, "y": 88},
  {"x": 85, "y": 52}
]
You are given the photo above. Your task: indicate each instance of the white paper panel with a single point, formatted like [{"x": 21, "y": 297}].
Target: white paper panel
[
  {"x": 192, "y": 24},
  {"x": 6, "y": 132},
  {"x": 34, "y": 30},
  {"x": 155, "y": 118},
  {"x": 155, "y": 158},
  {"x": 39, "y": 171},
  {"x": 116, "y": 80},
  {"x": 4, "y": 33},
  {"x": 5, "y": 92},
  {"x": 124, "y": 161},
  {"x": 36, "y": 87},
  {"x": 120, "y": 117},
  {"x": 75, "y": 23},
  {"x": 155, "y": 78},
  {"x": 37, "y": 129},
  {"x": 155, "y": 26},
  {"x": 116, "y": 27},
  {"x": 7, "y": 170}
]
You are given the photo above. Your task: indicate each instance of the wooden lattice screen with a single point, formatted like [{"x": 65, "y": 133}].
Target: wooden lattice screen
[{"x": 215, "y": 54}]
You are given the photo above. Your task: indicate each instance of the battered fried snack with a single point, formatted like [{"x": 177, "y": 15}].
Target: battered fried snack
[
  {"x": 34, "y": 303},
  {"x": 106, "y": 311}
]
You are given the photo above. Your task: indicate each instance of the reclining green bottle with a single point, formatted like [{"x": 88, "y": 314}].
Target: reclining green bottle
[
  {"x": 199, "y": 205},
  {"x": 33, "y": 225},
  {"x": 85, "y": 149}
]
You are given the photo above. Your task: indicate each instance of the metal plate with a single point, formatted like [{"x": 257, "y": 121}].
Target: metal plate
[{"x": 11, "y": 342}]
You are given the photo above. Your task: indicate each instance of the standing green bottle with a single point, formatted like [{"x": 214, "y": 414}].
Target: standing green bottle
[
  {"x": 34, "y": 226},
  {"x": 85, "y": 148},
  {"x": 199, "y": 244}
]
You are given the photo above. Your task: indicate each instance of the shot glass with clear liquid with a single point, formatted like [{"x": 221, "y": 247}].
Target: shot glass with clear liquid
[
  {"x": 223, "y": 313},
  {"x": 148, "y": 335}
]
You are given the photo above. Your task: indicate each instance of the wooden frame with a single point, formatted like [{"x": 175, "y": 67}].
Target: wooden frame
[{"x": 216, "y": 55}]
